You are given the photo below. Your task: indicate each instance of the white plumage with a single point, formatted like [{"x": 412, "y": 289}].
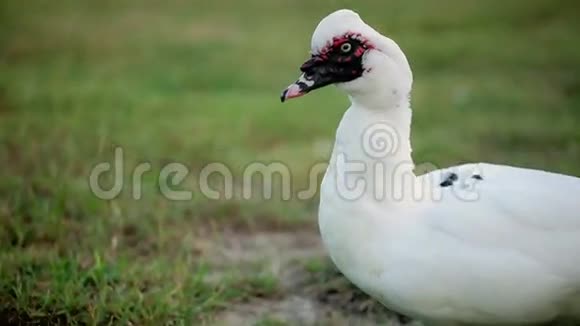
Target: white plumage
[{"x": 476, "y": 244}]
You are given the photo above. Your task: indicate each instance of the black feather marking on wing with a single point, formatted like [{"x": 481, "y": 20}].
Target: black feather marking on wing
[{"x": 449, "y": 180}]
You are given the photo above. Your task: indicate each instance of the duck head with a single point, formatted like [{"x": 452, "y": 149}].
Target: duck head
[{"x": 347, "y": 52}]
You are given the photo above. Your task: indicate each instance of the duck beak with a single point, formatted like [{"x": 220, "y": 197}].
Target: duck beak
[
  {"x": 301, "y": 87},
  {"x": 316, "y": 74}
]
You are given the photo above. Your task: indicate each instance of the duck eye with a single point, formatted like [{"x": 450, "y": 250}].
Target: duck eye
[{"x": 345, "y": 47}]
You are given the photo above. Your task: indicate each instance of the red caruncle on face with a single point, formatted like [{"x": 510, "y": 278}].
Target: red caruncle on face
[{"x": 338, "y": 41}]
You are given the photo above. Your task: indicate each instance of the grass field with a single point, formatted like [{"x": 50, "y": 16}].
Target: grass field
[{"x": 198, "y": 82}]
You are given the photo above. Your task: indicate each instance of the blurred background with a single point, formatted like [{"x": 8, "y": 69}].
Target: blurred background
[{"x": 198, "y": 82}]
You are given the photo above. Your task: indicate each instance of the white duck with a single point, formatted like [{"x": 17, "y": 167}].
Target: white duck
[{"x": 474, "y": 244}]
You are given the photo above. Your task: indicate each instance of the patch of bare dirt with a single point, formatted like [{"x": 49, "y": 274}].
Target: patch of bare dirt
[
  {"x": 296, "y": 310},
  {"x": 278, "y": 247},
  {"x": 322, "y": 297}
]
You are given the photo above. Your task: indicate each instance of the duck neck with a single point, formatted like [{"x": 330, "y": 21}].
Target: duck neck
[{"x": 373, "y": 145}]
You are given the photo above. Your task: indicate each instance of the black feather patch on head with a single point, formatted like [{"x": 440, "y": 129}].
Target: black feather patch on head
[{"x": 340, "y": 61}]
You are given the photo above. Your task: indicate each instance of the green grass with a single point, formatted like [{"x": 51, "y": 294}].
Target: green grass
[{"x": 198, "y": 82}]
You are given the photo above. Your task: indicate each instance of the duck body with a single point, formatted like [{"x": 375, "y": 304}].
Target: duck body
[
  {"x": 477, "y": 244},
  {"x": 505, "y": 249}
]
